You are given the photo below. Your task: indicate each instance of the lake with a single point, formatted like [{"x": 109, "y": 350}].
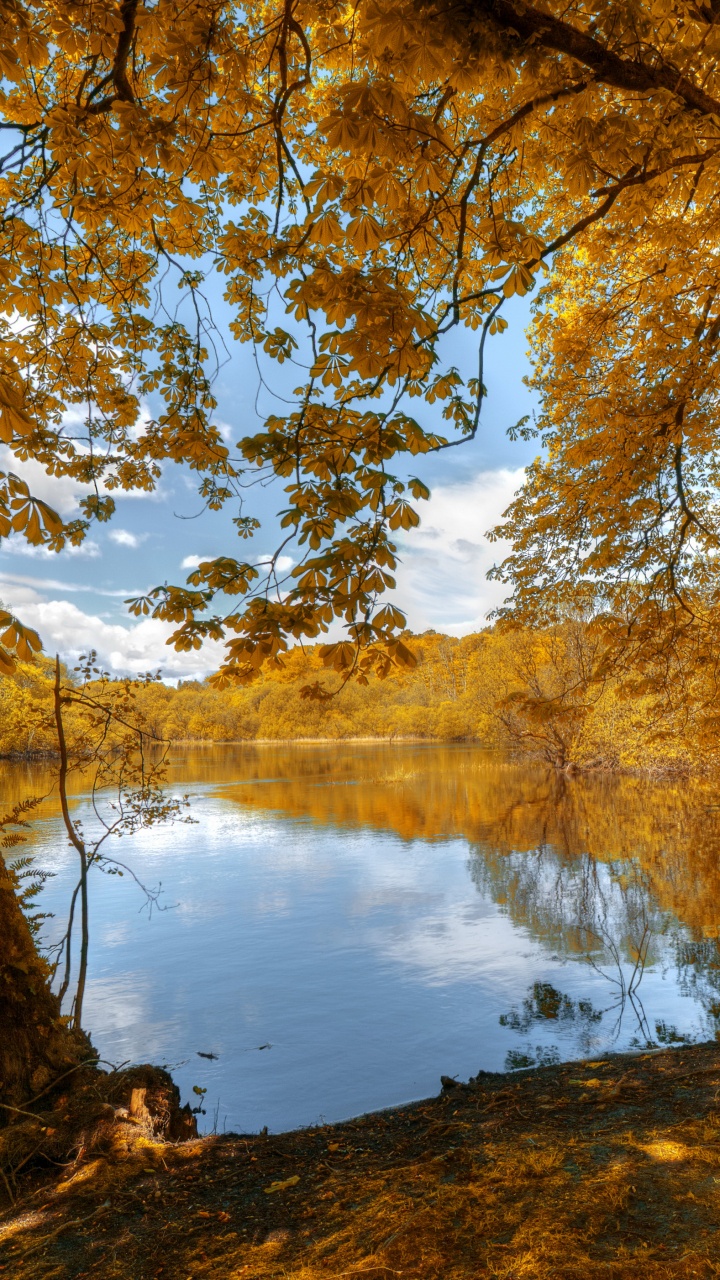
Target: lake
[{"x": 343, "y": 923}]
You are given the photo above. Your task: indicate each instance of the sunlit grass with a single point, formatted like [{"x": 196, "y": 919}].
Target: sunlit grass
[{"x": 607, "y": 1169}]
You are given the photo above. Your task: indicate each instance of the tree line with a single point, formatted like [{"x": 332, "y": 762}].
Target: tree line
[{"x": 541, "y": 693}]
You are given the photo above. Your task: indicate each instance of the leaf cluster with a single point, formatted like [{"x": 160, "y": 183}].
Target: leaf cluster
[{"x": 381, "y": 174}]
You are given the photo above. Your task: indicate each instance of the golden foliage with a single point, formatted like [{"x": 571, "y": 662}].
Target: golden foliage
[
  {"x": 384, "y": 172},
  {"x": 542, "y": 694}
]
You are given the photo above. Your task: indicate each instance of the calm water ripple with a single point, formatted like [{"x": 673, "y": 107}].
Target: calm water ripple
[{"x": 344, "y": 923}]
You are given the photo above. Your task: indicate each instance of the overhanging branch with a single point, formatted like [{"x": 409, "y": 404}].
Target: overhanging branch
[{"x": 526, "y": 23}]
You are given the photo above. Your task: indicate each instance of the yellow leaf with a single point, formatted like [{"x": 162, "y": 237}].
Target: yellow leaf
[
  {"x": 365, "y": 232},
  {"x": 519, "y": 281},
  {"x": 326, "y": 230},
  {"x": 389, "y": 617},
  {"x": 281, "y": 1186},
  {"x": 427, "y": 178},
  {"x": 205, "y": 165},
  {"x": 50, "y": 518}
]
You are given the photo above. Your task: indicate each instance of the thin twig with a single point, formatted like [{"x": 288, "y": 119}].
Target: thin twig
[
  {"x": 18, "y": 1111},
  {"x": 86, "y": 1063},
  {"x": 8, "y": 1188},
  {"x": 64, "y": 1226}
]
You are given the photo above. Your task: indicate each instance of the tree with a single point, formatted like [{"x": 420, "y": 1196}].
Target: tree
[
  {"x": 105, "y": 740},
  {"x": 544, "y": 691},
  {"x": 36, "y": 1044},
  {"x": 384, "y": 172},
  {"x": 100, "y": 736}
]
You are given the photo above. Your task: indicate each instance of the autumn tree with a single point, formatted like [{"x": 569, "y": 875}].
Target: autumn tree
[
  {"x": 543, "y": 689},
  {"x": 382, "y": 173}
]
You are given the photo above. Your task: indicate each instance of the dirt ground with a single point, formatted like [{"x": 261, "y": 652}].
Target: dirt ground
[{"x": 608, "y": 1168}]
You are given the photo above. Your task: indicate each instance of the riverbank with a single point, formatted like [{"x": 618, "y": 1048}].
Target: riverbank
[
  {"x": 209, "y": 744},
  {"x": 605, "y": 1168},
  {"x": 656, "y": 770}
]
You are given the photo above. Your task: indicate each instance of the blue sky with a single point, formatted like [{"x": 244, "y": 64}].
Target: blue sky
[{"x": 75, "y": 599}]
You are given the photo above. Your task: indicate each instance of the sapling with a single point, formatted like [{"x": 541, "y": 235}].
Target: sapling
[{"x": 103, "y": 737}]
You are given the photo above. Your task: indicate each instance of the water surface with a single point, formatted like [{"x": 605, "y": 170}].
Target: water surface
[{"x": 342, "y": 924}]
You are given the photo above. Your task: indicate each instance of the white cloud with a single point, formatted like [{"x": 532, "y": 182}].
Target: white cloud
[
  {"x": 68, "y": 630},
  {"x": 442, "y": 581},
  {"x": 13, "y": 583},
  {"x": 124, "y": 538},
  {"x": 282, "y": 564},
  {"x": 87, "y": 550},
  {"x": 226, "y": 431},
  {"x": 16, "y": 594},
  {"x": 61, "y": 492},
  {"x": 15, "y": 545}
]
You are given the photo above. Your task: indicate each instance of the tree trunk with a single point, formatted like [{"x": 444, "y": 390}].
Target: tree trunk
[{"x": 36, "y": 1045}]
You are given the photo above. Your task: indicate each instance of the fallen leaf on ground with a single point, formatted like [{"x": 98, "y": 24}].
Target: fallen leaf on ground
[{"x": 280, "y": 1186}]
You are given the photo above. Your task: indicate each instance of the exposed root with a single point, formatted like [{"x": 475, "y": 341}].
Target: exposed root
[{"x": 94, "y": 1113}]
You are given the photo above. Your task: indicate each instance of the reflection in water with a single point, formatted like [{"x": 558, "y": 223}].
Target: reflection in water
[
  {"x": 546, "y": 1002},
  {"x": 603, "y": 913},
  {"x": 598, "y": 866},
  {"x": 381, "y": 914},
  {"x": 543, "y": 1004}
]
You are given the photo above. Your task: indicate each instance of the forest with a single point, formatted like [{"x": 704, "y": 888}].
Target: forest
[{"x": 535, "y": 693}]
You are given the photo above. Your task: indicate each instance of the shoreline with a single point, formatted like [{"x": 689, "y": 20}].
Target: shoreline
[
  {"x": 656, "y": 773},
  {"x": 599, "y": 1167},
  {"x": 18, "y": 756}
]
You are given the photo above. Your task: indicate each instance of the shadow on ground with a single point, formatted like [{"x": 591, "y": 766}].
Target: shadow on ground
[{"x": 607, "y": 1168}]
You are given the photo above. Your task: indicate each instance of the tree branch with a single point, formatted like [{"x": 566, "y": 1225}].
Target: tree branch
[
  {"x": 123, "y": 88},
  {"x": 528, "y": 23}
]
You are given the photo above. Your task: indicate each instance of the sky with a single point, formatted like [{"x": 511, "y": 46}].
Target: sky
[{"x": 75, "y": 599}]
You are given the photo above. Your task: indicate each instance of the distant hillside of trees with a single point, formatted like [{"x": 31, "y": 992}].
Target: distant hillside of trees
[{"x": 536, "y": 693}]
